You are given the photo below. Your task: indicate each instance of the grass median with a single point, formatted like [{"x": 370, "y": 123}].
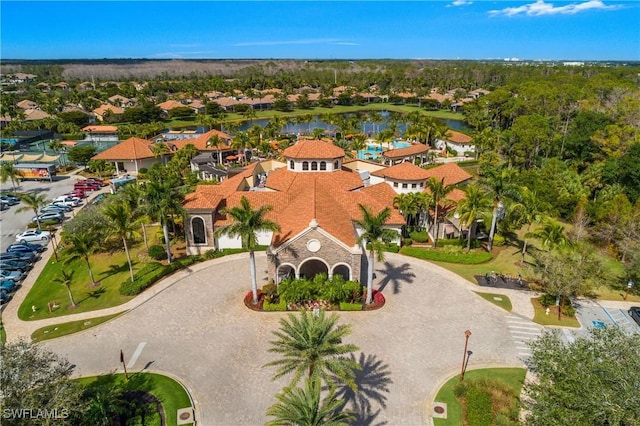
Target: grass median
[{"x": 59, "y": 330}]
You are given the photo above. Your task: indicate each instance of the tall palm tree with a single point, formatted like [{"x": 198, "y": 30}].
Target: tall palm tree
[
  {"x": 312, "y": 345},
  {"x": 34, "y": 202},
  {"x": 407, "y": 205},
  {"x": 247, "y": 222},
  {"x": 552, "y": 236},
  {"x": 530, "y": 208},
  {"x": 377, "y": 236},
  {"x": 81, "y": 245},
  {"x": 66, "y": 278},
  {"x": 439, "y": 191},
  {"x": 162, "y": 200},
  {"x": 302, "y": 407},
  {"x": 475, "y": 205},
  {"x": 123, "y": 225},
  {"x": 9, "y": 172}
]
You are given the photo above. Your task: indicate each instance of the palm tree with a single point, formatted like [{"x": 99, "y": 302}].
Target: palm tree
[
  {"x": 313, "y": 345},
  {"x": 552, "y": 236},
  {"x": 163, "y": 200},
  {"x": 406, "y": 203},
  {"x": 9, "y": 172},
  {"x": 302, "y": 407},
  {"x": 66, "y": 278},
  {"x": 81, "y": 246},
  {"x": 438, "y": 193},
  {"x": 33, "y": 201},
  {"x": 247, "y": 222},
  {"x": 123, "y": 225},
  {"x": 530, "y": 208},
  {"x": 377, "y": 236},
  {"x": 475, "y": 205}
]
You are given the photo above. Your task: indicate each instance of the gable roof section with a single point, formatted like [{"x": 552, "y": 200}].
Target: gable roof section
[
  {"x": 406, "y": 152},
  {"x": 312, "y": 150},
  {"x": 100, "y": 129},
  {"x": 102, "y": 109},
  {"x": 403, "y": 171},
  {"x": 201, "y": 141},
  {"x": 457, "y": 137},
  {"x": 451, "y": 172},
  {"x": 130, "y": 149},
  {"x": 169, "y": 105}
]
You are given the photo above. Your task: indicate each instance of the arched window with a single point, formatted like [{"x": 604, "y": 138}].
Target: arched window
[
  {"x": 292, "y": 165},
  {"x": 323, "y": 165},
  {"x": 197, "y": 229},
  {"x": 336, "y": 164},
  {"x": 305, "y": 165},
  {"x": 314, "y": 165}
]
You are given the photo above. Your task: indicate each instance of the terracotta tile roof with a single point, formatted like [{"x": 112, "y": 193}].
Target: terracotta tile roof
[
  {"x": 100, "y": 129},
  {"x": 313, "y": 149},
  {"x": 35, "y": 114},
  {"x": 130, "y": 149},
  {"x": 201, "y": 141},
  {"x": 102, "y": 109},
  {"x": 169, "y": 105},
  {"x": 26, "y": 104},
  {"x": 382, "y": 192},
  {"x": 202, "y": 200},
  {"x": 403, "y": 171},
  {"x": 457, "y": 137},
  {"x": 286, "y": 180},
  {"x": 451, "y": 172},
  {"x": 406, "y": 152}
]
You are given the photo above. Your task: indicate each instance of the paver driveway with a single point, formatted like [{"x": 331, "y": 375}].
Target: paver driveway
[{"x": 199, "y": 330}]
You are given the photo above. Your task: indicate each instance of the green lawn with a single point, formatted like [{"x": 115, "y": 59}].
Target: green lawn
[
  {"x": 513, "y": 377},
  {"x": 109, "y": 269},
  {"x": 170, "y": 393},
  {"x": 58, "y": 330},
  {"x": 497, "y": 299},
  {"x": 542, "y": 318}
]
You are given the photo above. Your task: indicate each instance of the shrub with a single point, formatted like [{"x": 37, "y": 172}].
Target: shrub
[
  {"x": 569, "y": 311},
  {"x": 419, "y": 236},
  {"x": 457, "y": 242},
  {"x": 212, "y": 254},
  {"x": 457, "y": 256},
  {"x": 478, "y": 407},
  {"x": 270, "y": 292},
  {"x": 407, "y": 241},
  {"x": 152, "y": 273},
  {"x": 273, "y": 307},
  {"x": 389, "y": 247},
  {"x": 547, "y": 300},
  {"x": 498, "y": 240},
  {"x": 346, "y": 306},
  {"x": 157, "y": 252}
]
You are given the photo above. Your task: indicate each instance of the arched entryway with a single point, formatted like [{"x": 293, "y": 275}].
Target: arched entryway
[
  {"x": 312, "y": 267},
  {"x": 285, "y": 271},
  {"x": 342, "y": 269}
]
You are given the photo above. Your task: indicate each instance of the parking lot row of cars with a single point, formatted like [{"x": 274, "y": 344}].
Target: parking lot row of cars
[{"x": 20, "y": 256}]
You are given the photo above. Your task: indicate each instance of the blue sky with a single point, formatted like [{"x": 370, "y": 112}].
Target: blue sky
[{"x": 454, "y": 29}]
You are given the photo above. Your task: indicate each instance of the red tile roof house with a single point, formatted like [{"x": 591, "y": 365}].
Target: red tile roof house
[
  {"x": 459, "y": 142},
  {"x": 131, "y": 155},
  {"x": 315, "y": 200}
]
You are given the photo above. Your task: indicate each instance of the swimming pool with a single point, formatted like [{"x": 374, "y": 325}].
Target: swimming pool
[{"x": 374, "y": 151}]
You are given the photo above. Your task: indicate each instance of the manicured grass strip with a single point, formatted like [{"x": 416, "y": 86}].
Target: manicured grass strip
[
  {"x": 58, "y": 330},
  {"x": 504, "y": 302},
  {"x": 470, "y": 258},
  {"x": 3, "y": 334},
  {"x": 512, "y": 377},
  {"x": 170, "y": 393},
  {"x": 542, "y": 318}
]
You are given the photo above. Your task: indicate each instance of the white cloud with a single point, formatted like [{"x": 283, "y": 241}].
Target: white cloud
[
  {"x": 286, "y": 42},
  {"x": 540, "y": 8},
  {"x": 461, "y": 2},
  {"x": 344, "y": 43}
]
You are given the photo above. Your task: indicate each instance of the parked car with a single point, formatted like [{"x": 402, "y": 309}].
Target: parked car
[
  {"x": 634, "y": 313},
  {"x": 28, "y": 257},
  {"x": 77, "y": 193},
  {"x": 10, "y": 200},
  {"x": 49, "y": 216},
  {"x": 33, "y": 235},
  {"x": 3, "y": 206},
  {"x": 8, "y": 286},
  {"x": 86, "y": 185},
  {"x": 66, "y": 201},
  {"x": 15, "y": 248},
  {"x": 4, "y": 297},
  {"x": 38, "y": 248},
  {"x": 12, "y": 275},
  {"x": 56, "y": 207},
  {"x": 14, "y": 265}
]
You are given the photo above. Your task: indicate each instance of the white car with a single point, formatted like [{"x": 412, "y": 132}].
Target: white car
[
  {"x": 67, "y": 201},
  {"x": 33, "y": 235}
]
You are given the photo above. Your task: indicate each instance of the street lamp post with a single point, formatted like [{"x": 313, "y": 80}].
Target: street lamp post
[
  {"x": 498, "y": 213},
  {"x": 629, "y": 286},
  {"x": 467, "y": 334}
]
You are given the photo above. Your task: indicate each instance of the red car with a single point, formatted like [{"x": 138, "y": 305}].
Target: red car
[
  {"x": 98, "y": 181},
  {"x": 85, "y": 185},
  {"x": 77, "y": 193}
]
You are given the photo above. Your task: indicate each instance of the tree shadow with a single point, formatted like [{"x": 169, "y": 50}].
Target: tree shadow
[
  {"x": 93, "y": 294},
  {"x": 373, "y": 382},
  {"x": 395, "y": 275},
  {"x": 116, "y": 269}
]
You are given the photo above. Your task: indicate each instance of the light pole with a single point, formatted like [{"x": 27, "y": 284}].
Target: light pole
[
  {"x": 467, "y": 334},
  {"x": 498, "y": 213},
  {"x": 629, "y": 286}
]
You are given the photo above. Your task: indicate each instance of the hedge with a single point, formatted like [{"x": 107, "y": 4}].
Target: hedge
[
  {"x": 273, "y": 307},
  {"x": 419, "y": 236},
  {"x": 390, "y": 247},
  {"x": 152, "y": 273},
  {"x": 345, "y": 306},
  {"x": 456, "y": 242},
  {"x": 471, "y": 258}
]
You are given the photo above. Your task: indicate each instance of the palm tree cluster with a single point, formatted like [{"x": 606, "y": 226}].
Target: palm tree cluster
[{"x": 311, "y": 347}]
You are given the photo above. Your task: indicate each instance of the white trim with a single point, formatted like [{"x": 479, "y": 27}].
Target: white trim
[
  {"x": 329, "y": 273},
  {"x": 204, "y": 228},
  {"x": 343, "y": 264},
  {"x": 353, "y": 250}
]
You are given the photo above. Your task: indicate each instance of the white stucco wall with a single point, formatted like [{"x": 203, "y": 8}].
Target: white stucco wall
[{"x": 224, "y": 241}]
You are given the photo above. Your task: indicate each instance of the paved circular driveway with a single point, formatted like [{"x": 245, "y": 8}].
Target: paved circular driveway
[{"x": 199, "y": 330}]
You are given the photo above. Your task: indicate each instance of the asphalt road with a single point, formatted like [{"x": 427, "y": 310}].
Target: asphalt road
[{"x": 13, "y": 222}]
